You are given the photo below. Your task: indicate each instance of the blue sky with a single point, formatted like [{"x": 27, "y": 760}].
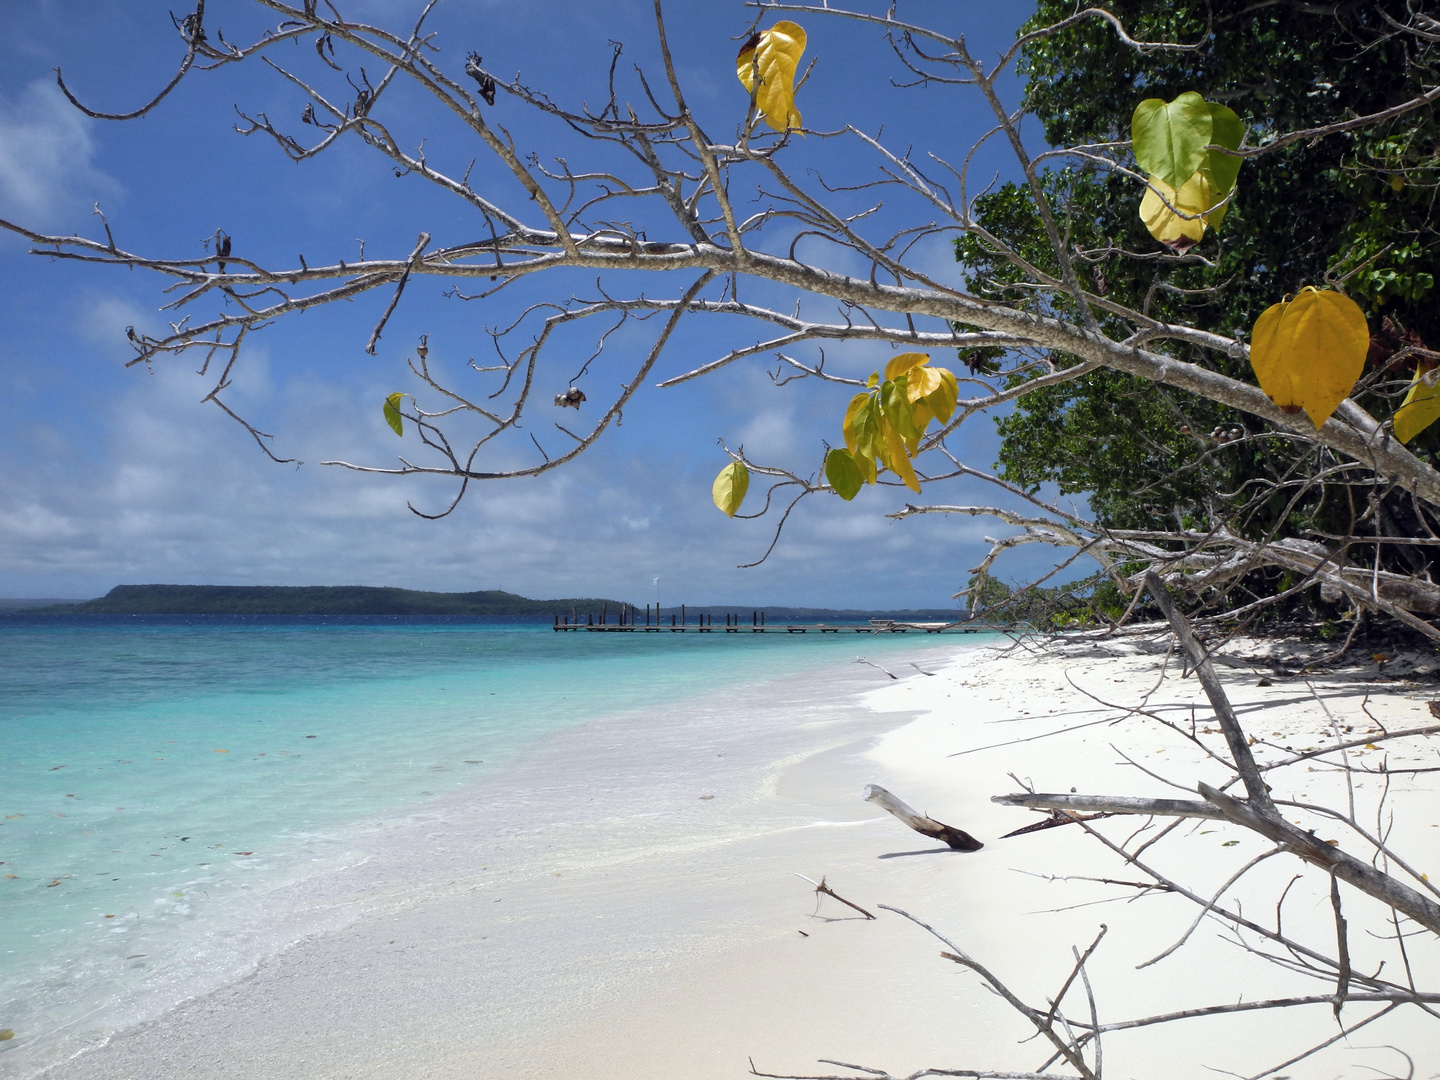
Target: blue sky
[{"x": 122, "y": 476}]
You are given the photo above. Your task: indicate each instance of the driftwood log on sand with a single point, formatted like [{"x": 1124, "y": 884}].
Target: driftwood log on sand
[{"x": 958, "y": 839}]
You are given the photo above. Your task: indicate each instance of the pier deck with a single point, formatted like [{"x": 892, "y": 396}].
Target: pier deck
[{"x": 774, "y": 628}]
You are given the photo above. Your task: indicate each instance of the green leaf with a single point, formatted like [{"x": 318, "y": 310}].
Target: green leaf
[
  {"x": 392, "y": 413},
  {"x": 843, "y": 473},
  {"x": 895, "y": 405},
  {"x": 1227, "y": 130},
  {"x": 1169, "y": 140},
  {"x": 862, "y": 433},
  {"x": 730, "y": 486}
]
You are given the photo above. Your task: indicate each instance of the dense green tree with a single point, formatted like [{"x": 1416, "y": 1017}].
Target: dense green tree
[{"x": 1357, "y": 207}]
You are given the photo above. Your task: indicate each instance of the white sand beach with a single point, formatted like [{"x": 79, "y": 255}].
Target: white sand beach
[{"x": 656, "y": 926}]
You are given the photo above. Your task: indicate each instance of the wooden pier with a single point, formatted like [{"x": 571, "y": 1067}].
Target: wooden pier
[{"x": 628, "y": 621}]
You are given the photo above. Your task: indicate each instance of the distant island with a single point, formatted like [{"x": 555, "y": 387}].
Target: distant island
[
  {"x": 365, "y": 600},
  {"x": 322, "y": 600}
]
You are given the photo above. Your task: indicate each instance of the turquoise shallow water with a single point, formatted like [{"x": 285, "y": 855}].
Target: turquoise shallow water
[{"x": 164, "y": 781}]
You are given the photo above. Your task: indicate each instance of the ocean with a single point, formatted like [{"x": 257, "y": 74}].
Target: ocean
[{"x": 180, "y": 798}]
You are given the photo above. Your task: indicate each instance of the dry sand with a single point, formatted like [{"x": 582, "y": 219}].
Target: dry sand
[{"x": 662, "y": 934}]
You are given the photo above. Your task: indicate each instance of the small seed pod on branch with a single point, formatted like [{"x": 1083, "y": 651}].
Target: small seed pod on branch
[{"x": 571, "y": 398}]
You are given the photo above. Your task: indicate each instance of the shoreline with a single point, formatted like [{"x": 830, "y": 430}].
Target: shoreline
[
  {"x": 640, "y": 774},
  {"x": 666, "y": 933}
]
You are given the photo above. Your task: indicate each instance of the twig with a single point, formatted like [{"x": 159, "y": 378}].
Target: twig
[{"x": 821, "y": 887}]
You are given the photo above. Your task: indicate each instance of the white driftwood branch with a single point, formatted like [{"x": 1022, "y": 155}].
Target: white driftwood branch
[{"x": 926, "y": 826}]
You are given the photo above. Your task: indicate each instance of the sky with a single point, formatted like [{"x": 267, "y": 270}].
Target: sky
[{"x": 111, "y": 475}]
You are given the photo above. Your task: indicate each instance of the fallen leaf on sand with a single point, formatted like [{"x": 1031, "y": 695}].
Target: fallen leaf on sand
[{"x": 6, "y": 1034}]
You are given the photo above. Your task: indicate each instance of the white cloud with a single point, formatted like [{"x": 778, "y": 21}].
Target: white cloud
[
  {"x": 181, "y": 495},
  {"x": 46, "y": 157},
  {"x": 102, "y": 320}
]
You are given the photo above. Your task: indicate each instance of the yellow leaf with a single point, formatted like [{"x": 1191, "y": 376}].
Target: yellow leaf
[
  {"x": 1194, "y": 202},
  {"x": 730, "y": 486},
  {"x": 1419, "y": 410},
  {"x": 853, "y": 420},
  {"x": 862, "y": 433},
  {"x": 933, "y": 392},
  {"x": 922, "y": 381},
  {"x": 1264, "y": 343},
  {"x": 1308, "y": 353},
  {"x": 896, "y": 457},
  {"x": 766, "y": 66},
  {"x": 943, "y": 398},
  {"x": 903, "y": 363}
]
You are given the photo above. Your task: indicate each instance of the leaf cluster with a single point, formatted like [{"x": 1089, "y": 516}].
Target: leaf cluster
[{"x": 884, "y": 424}]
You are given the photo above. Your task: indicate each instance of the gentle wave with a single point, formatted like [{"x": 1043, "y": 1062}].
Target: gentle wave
[{"x": 181, "y": 799}]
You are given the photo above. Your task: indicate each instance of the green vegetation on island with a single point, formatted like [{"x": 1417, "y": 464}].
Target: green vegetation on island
[
  {"x": 365, "y": 600},
  {"x": 324, "y": 600}
]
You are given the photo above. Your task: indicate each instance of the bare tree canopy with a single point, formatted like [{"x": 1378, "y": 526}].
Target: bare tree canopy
[{"x": 655, "y": 218}]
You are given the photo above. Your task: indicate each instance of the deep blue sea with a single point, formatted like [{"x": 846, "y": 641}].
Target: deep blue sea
[{"x": 164, "y": 779}]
